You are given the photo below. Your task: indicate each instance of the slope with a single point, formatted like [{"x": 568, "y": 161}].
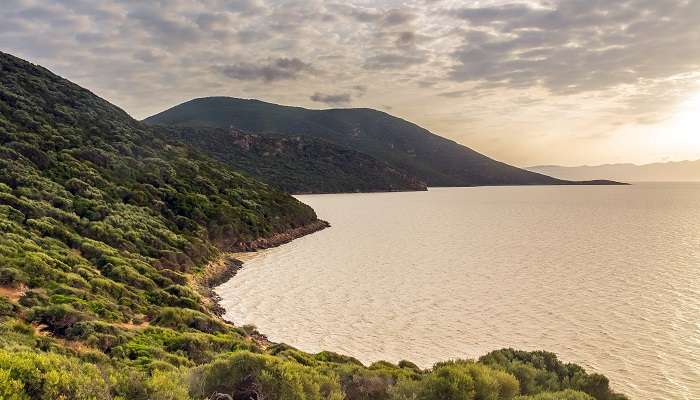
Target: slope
[
  {"x": 105, "y": 226},
  {"x": 406, "y": 146},
  {"x": 297, "y": 164}
]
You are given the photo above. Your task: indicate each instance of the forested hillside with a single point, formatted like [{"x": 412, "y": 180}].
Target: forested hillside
[
  {"x": 105, "y": 229},
  {"x": 399, "y": 143},
  {"x": 297, "y": 164}
]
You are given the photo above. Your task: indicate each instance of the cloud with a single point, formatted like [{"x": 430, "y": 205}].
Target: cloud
[
  {"x": 575, "y": 46},
  {"x": 623, "y": 61},
  {"x": 392, "y": 61},
  {"x": 245, "y": 7},
  {"x": 164, "y": 29},
  {"x": 455, "y": 94},
  {"x": 360, "y": 89},
  {"x": 332, "y": 99},
  {"x": 406, "y": 38},
  {"x": 383, "y": 18},
  {"x": 397, "y": 17},
  {"x": 270, "y": 71},
  {"x": 357, "y": 13}
]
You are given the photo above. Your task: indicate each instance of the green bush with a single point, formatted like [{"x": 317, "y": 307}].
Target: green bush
[
  {"x": 12, "y": 277},
  {"x": 58, "y": 318},
  {"x": 11, "y": 389},
  {"x": 359, "y": 383},
  {"x": 405, "y": 364},
  {"x": 541, "y": 371},
  {"x": 329, "y": 356},
  {"x": 177, "y": 318},
  {"x": 46, "y": 376},
  {"x": 563, "y": 395},
  {"x": 460, "y": 380},
  {"x": 246, "y": 375},
  {"x": 7, "y": 308},
  {"x": 167, "y": 385}
]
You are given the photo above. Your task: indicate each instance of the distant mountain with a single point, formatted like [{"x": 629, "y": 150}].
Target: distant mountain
[
  {"x": 405, "y": 146},
  {"x": 297, "y": 164},
  {"x": 681, "y": 171}
]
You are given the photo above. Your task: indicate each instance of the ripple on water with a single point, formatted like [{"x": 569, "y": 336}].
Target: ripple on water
[{"x": 606, "y": 277}]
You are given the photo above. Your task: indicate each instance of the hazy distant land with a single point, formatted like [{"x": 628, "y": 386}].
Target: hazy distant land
[{"x": 677, "y": 171}]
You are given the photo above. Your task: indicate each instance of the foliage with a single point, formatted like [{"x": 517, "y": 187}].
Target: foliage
[
  {"x": 459, "y": 380},
  {"x": 50, "y": 376},
  {"x": 541, "y": 371},
  {"x": 254, "y": 376},
  {"x": 567, "y": 394},
  {"x": 101, "y": 213},
  {"x": 297, "y": 164},
  {"x": 407, "y": 147},
  {"x": 104, "y": 222}
]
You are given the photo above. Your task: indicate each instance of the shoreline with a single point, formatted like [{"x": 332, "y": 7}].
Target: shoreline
[
  {"x": 219, "y": 271},
  {"x": 595, "y": 182}
]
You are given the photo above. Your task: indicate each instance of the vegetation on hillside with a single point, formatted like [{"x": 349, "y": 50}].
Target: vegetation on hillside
[
  {"x": 297, "y": 164},
  {"x": 399, "y": 143},
  {"x": 104, "y": 224}
]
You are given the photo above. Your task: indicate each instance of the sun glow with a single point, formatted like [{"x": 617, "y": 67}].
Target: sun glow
[
  {"x": 676, "y": 138},
  {"x": 684, "y": 129}
]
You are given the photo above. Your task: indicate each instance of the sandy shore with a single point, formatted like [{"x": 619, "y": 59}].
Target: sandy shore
[{"x": 225, "y": 267}]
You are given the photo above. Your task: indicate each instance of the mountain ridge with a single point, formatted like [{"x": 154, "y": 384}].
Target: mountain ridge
[
  {"x": 297, "y": 164},
  {"x": 671, "y": 171},
  {"x": 400, "y": 143}
]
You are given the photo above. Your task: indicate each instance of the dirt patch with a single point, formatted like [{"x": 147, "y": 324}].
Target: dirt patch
[
  {"x": 13, "y": 293},
  {"x": 132, "y": 326}
]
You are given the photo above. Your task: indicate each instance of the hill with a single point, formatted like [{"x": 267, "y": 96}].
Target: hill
[
  {"x": 401, "y": 144},
  {"x": 109, "y": 233},
  {"x": 679, "y": 171},
  {"x": 297, "y": 164}
]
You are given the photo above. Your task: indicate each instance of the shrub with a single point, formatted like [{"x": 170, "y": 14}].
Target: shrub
[
  {"x": 363, "y": 384},
  {"x": 58, "y": 317},
  {"x": 47, "y": 376},
  {"x": 7, "y": 309},
  {"x": 246, "y": 375},
  {"x": 329, "y": 356},
  {"x": 460, "y": 380},
  {"x": 11, "y": 389},
  {"x": 541, "y": 371},
  {"x": 177, "y": 318},
  {"x": 167, "y": 385},
  {"x": 33, "y": 298},
  {"x": 409, "y": 365},
  {"x": 408, "y": 389},
  {"x": 12, "y": 277},
  {"x": 563, "y": 395}
]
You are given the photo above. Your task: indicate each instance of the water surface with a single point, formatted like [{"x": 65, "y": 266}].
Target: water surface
[{"x": 608, "y": 277}]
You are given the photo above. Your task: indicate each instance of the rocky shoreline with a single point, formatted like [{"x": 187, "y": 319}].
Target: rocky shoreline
[
  {"x": 281, "y": 238},
  {"x": 225, "y": 267}
]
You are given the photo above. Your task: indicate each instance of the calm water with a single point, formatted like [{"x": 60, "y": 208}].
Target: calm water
[{"x": 608, "y": 277}]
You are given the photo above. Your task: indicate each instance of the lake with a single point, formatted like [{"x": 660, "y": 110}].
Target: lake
[{"x": 604, "y": 276}]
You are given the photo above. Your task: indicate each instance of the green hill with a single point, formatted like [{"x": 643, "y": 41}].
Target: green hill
[
  {"x": 297, "y": 164},
  {"x": 108, "y": 230},
  {"x": 406, "y": 146}
]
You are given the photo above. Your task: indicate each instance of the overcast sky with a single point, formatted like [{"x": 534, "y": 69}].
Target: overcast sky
[{"x": 527, "y": 82}]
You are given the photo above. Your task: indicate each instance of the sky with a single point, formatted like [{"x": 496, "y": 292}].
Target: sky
[{"x": 566, "y": 82}]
